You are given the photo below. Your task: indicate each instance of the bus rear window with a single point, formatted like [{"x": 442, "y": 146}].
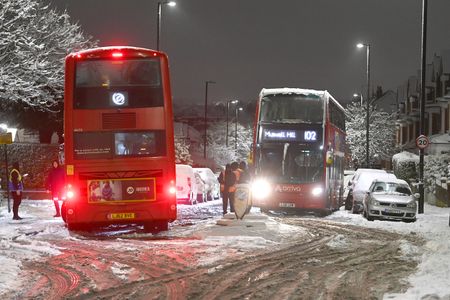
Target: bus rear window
[
  {"x": 132, "y": 83},
  {"x": 108, "y": 145}
]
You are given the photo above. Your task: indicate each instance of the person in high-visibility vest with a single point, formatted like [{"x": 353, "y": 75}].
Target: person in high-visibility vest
[
  {"x": 232, "y": 183},
  {"x": 16, "y": 188}
]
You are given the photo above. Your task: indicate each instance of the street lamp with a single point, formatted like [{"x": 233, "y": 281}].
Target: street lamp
[
  {"x": 207, "y": 82},
  {"x": 238, "y": 109},
  {"x": 360, "y": 96},
  {"x": 228, "y": 108},
  {"x": 158, "y": 20},
  {"x": 361, "y": 45}
]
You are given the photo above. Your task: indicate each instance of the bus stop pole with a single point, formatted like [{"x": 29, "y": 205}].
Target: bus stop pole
[{"x": 5, "y": 147}]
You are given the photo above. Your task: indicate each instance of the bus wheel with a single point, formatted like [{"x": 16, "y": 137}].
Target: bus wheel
[
  {"x": 156, "y": 226},
  {"x": 64, "y": 212}
]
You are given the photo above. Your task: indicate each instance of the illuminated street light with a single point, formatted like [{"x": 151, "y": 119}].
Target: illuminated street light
[
  {"x": 360, "y": 96},
  {"x": 158, "y": 19},
  {"x": 228, "y": 108},
  {"x": 361, "y": 45}
]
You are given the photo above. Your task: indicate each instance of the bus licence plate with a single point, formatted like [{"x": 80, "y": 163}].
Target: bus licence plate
[
  {"x": 122, "y": 216},
  {"x": 287, "y": 204}
]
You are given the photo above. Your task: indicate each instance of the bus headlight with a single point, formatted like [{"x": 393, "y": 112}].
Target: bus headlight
[
  {"x": 317, "y": 191},
  {"x": 261, "y": 188}
]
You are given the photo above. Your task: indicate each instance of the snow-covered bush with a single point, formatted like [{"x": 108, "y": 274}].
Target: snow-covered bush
[
  {"x": 182, "y": 155},
  {"x": 435, "y": 168},
  {"x": 404, "y": 165}
]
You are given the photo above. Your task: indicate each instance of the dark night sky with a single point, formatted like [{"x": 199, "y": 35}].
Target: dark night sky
[{"x": 245, "y": 45}]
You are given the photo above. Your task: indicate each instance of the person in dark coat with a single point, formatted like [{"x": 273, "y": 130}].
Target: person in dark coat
[
  {"x": 230, "y": 187},
  {"x": 221, "y": 180},
  {"x": 55, "y": 184},
  {"x": 16, "y": 187}
]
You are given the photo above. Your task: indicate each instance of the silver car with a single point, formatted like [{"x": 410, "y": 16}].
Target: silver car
[{"x": 390, "y": 199}]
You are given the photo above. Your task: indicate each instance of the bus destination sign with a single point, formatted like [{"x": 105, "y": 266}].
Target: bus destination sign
[{"x": 290, "y": 135}]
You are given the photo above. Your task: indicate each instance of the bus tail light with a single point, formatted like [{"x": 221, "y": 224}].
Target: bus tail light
[
  {"x": 172, "y": 188},
  {"x": 70, "y": 194},
  {"x": 261, "y": 188}
]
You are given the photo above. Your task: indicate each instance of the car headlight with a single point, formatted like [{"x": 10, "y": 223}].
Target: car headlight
[
  {"x": 411, "y": 204},
  {"x": 375, "y": 202},
  {"x": 261, "y": 188},
  {"x": 317, "y": 191}
]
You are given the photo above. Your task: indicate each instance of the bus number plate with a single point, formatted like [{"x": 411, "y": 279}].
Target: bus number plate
[
  {"x": 122, "y": 216},
  {"x": 287, "y": 204}
]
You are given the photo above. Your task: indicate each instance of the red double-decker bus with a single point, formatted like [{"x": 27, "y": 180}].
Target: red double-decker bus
[
  {"x": 298, "y": 151},
  {"x": 118, "y": 135}
]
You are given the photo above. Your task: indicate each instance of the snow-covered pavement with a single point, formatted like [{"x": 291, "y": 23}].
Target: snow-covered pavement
[{"x": 432, "y": 279}]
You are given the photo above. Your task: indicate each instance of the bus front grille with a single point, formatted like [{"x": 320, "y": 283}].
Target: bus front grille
[{"x": 118, "y": 120}]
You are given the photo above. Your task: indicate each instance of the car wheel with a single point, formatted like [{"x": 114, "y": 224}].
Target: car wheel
[
  {"x": 348, "y": 203},
  {"x": 410, "y": 220},
  {"x": 370, "y": 218}
]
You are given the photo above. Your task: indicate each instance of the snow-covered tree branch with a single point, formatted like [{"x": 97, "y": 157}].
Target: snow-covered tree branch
[{"x": 34, "y": 39}]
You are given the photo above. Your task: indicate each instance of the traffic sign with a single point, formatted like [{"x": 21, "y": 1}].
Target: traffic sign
[
  {"x": 422, "y": 141},
  {"x": 5, "y": 138}
]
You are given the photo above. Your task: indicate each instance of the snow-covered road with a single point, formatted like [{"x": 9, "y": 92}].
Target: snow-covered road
[{"x": 263, "y": 257}]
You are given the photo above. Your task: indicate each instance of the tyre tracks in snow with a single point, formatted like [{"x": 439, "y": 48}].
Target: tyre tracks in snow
[{"x": 334, "y": 261}]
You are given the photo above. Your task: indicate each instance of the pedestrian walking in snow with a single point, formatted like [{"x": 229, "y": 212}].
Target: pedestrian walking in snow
[
  {"x": 16, "y": 187},
  {"x": 229, "y": 188},
  {"x": 55, "y": 184}
]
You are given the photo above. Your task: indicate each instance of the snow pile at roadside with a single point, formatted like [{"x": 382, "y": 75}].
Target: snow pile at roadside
[{"x": 432, "y": 276}]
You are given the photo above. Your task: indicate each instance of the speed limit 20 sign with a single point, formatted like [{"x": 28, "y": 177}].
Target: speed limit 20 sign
[{"x": 422, "y": 141}]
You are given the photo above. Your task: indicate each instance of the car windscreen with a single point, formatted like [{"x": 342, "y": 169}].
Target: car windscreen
[
  {"x": 132, "y": 83},
  {"x": 109, "y": 145},
  {"x": 288, "y": 163},
  {"x": 391, "y": 187},
  {"x": 292, "y": 108}
]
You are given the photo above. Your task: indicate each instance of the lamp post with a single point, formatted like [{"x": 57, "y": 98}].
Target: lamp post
[
  {"x": 235, "y": 126},
  {"x": 361, "y": 45},
  {"x": 228, "y": 108},
  {"x": 422, "y": 101},
  {"x": 207, "y": 82},
  {"x": 158, "y": 19}
]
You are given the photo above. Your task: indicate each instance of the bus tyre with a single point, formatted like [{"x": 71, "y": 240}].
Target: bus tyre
[
  {"x": 156, "y": 226},
  {"x": 64, "y": 212}
]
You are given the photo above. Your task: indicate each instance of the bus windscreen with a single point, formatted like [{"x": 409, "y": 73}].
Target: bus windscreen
[
  {"x": 131, "y": 83},
  {"x": 292, "y": 108},
  {"x": 291, "y": 164}
]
